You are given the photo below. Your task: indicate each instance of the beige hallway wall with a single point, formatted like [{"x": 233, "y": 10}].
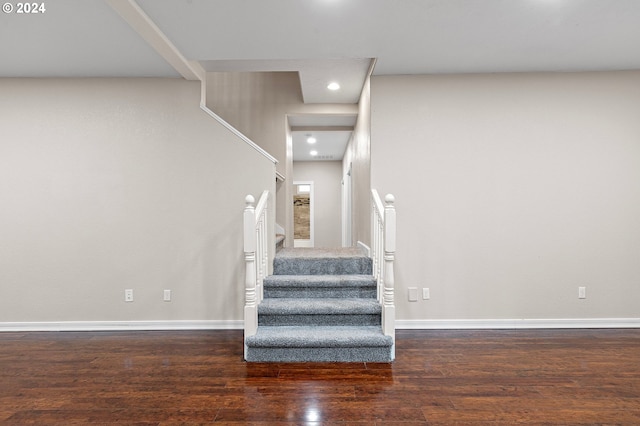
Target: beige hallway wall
[
  {"x": 327, "y": 187},
  {"x": 358, "y": 157}
]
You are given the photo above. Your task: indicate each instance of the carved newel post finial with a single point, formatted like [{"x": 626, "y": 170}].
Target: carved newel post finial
[
  {"x": 389, "y": 199},
  {"x": 250, "y": 200}
]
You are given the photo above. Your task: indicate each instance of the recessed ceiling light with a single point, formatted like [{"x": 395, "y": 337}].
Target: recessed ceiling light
[
  {"x": 314, "y": 153},
  {"x": 311, "y": 140},
  {"x": 333, "y": 86}
]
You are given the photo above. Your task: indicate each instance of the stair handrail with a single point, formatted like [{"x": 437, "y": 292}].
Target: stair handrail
[
  {"x": 256, "y": 256},
  {"x": 383, "y": 251}
]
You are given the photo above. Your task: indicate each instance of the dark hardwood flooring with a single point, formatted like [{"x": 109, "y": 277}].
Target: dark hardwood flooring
[{"x": 569, "y": 377}]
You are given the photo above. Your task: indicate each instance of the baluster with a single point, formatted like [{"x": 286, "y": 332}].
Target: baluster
[
  {"x": 264, "y": 251},
  {"x": 250, "y": 307},
  {"x": 388, "y": 309},
  {"x": 260, "y": 273},
  {"x": 380, "y": 249},
  {"x": 377, "y": 245}
]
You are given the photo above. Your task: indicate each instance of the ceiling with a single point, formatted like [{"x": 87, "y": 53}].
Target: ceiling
[
  {"x": 324, "y": 40},
  {"x": 329, "y": 145},
  {"x": 331, "y": 131}
]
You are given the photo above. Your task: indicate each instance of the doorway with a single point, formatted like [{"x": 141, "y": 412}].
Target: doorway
[
  {"x": 346, "y": 208},
  {"x": 303, "y": 217}
]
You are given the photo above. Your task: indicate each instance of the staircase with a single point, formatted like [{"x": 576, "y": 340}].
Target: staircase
[{"x": 319, "y": 306}]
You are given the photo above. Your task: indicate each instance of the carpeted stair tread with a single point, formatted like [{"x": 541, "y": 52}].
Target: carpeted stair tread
[
  {"x": 318, "y": 337},
  {"x": 320, "y": 281},
  {"x": 332, "y": 253},
  {"x": 296, "y": 306},
  {"x": 321, "y": 262},
  {"x": 311, "y": 266},
  {"x": 320, "y": 286}
]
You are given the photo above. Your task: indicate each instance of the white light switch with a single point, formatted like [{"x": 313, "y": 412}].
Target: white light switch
[
  {"x": 582, "y": 292},
  {"x": 425, "y": 293},
  {"x": 413, "y": 294}
]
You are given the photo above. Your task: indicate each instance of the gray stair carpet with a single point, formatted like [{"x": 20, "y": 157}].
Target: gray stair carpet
[
  {"x": 319, "y": 306},
  {"x": 316, "y": 311},
  {"x": 319, "y": 344},
  {"x": 321, "y": 262},
  {"x": 320, "y": 286}
]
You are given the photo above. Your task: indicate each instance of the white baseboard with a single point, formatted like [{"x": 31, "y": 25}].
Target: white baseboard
[
  {"x": 518, "y": 323},
  {"x": 400, "y": 324},
  {"x": 121, "y": 325}
]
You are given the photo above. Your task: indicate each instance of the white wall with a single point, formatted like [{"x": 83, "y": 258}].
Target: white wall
[
  {"x": 512, "y": 191},
  {"x": 108, "y": 184},
  {"x": 358, "y": 157},
  {"x": 327, "y": 199}
]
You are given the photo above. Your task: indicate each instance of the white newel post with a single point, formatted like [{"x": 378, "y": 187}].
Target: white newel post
[
  {"x": 388, "y": 306},
  {"x": 250, "y": 307}
]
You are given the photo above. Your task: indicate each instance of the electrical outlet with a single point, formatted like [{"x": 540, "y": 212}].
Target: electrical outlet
[
  {"x": 128, "y": 295},
  {"x": 167, "y": 296},
  {"x": 582, "y": 292},
  {"x": 426, "y": 295},
  {"x": 413, "y": 294}
]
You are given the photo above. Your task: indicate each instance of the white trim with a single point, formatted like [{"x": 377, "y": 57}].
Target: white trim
[
  {"x": 122, "y": 325},
  {"x": 365, "y": 247},
  {"x": 140, "y": 22},
  {"x": 518, "y": 323},
  {"x": 347, "y": 207},
  {"x": 311, "y": 241},
  {"x": 236, "y": 132},
  {"x": 400, "y": 324}
]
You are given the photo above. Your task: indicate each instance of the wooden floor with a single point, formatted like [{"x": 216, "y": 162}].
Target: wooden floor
[{"x": 440, "y": 377}]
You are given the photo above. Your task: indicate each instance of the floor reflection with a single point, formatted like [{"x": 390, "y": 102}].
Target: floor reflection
[{"x": 311, "y": 393}]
